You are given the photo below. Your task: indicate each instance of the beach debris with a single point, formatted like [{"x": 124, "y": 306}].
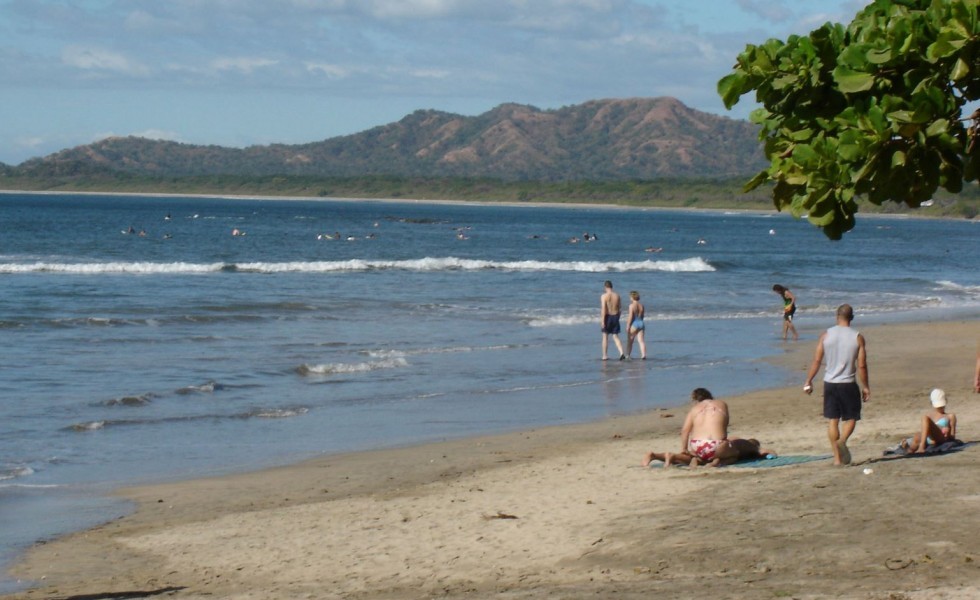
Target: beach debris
[
  {"x": 868, "y": 471},
  {"x": 666, "y": 415},
  {"x": 499, "y": 515},
  {"x": 897, "y": 564}
]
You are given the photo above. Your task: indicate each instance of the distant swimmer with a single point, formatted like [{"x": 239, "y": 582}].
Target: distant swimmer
[
  {"x": 573, "y": 240},
  {"x": 167, "y": 236},
  {"x": 652, "y": 249},
  {"x": 142, "y": 233},
  {"x": 167, "y": 218},
  {"x": 460, "y": 236},
  {"x": 237, "y": 232}
]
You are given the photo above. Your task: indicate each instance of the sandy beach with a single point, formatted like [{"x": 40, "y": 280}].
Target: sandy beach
[{"x": 567, "y": 512}]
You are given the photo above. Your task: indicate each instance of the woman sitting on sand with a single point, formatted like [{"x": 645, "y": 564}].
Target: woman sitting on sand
[
  {"x": 938, "y": 426},
  {"x": 703, "y": 435}
]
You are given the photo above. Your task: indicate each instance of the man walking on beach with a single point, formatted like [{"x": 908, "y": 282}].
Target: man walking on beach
[
  {"x": 843, "y": 350},
  {"x": 609, "y": 320}
]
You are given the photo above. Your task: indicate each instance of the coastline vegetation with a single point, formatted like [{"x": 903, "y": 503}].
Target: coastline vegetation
[{"x": 660, "y": 193}]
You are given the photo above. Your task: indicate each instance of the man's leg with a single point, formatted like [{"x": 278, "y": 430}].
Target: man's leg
[
  {"x": 605, "y": 346},
  {"x": 619, "y": 345},
  {"x": 847, "y": 428},
  {"x": 833, "y": 434}
]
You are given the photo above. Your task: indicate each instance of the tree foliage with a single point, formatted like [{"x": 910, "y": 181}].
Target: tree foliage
[{"x": 869, "y": 111}]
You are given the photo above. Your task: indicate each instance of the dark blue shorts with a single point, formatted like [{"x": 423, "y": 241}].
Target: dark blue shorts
[
  {"x": 842, "y": 401},
  {"x": 611, "y": 325}
]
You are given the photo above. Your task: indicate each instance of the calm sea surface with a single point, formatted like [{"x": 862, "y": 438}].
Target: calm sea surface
[{"x": 336, "y": 326}]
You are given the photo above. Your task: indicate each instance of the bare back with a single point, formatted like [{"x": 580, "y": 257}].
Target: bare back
[
  {"x": 707, "y": 420},
  {"x": 611, "y": 303}
]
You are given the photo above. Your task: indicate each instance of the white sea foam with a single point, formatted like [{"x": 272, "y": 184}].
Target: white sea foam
[
  {"x": 687, "y": 265},
  {"x": 346, "y": 368},
  {"x": 956, "y": 287},
  {"x": 442, "y": 350},
  {"x": 111, "y": 268},
  {"x": 279, "y": 413},
  {"x": 89, "y": 426},
  {"x": 15, "y": 472},
  {"x": 205, "y": 388},
  {"x": 560, "y": 320}
]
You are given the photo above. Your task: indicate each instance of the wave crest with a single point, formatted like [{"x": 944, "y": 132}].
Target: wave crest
[
  {"x": 345, "y": 368},
  {"x": 687, "y": 265}
]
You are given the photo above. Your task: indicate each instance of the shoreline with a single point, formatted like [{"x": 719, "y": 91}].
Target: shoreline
[
  {"x": 437, "y": 202},
  {"x": 434, "y": 517}
]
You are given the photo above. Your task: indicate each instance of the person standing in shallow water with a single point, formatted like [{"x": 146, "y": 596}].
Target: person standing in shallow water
[
  {"x": 843, "y": 350},
  {"x": 635, "y": 326},
  {"x": 610, "y": 308},
  {"x": 789, "y": 309}
]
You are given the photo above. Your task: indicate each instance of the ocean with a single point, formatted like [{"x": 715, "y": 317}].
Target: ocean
[{"x": 143, "y": 341}]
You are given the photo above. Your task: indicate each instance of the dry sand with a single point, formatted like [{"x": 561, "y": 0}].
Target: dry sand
[{"x": 567, "y": 512}]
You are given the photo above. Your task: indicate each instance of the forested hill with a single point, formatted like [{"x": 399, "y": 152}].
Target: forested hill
[{"x": 638, "y": 138}]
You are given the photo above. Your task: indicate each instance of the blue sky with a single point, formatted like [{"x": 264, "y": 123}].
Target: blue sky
[{"x": 244, "y": 72}]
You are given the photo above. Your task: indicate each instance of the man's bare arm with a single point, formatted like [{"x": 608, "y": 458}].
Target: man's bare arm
[
  {"x": 815, "y": 365},
  {"x": 862, "y": 369}
]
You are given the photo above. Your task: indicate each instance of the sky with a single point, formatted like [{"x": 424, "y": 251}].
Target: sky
[{"x": 252, "y": 72}]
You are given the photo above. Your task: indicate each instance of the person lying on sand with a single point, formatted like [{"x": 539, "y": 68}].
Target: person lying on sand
[{"x": 938, "y": 426}]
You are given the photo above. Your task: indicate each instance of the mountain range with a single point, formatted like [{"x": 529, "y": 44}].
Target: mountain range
[{"x": 615, "y": 139}]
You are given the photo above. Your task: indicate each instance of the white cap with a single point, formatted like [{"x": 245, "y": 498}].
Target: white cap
[{"x": 938, "y": 398}]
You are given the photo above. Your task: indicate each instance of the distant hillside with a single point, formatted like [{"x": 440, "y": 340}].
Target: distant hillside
[{"x": 636, "y": 138}]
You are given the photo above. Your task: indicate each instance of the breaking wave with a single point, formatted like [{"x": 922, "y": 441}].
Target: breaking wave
[
  {"x": 687, "y": 265},
  {"x": 347, "y": 368}
]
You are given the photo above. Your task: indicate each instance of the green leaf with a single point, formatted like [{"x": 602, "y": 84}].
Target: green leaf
[
  {"x": 901, "y": 116},
  {"x": 852, "y": 82},
  {"x": 801, "y": 136},
  {"x": 960, "y": 70},
  {"x": 760, "y": 178},
  {"x": 898, "y": 159},
  {"x": 730, "y": 88},
  {"x": 879, "y": 56},
  {"x": 937, "y": 127}
]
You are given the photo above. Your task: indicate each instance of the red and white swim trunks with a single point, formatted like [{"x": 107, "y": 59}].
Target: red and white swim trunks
[{"x": 704, "y": 449}]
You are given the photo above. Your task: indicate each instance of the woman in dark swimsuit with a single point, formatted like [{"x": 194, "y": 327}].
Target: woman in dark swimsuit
[{"x": 789, "y": 309}]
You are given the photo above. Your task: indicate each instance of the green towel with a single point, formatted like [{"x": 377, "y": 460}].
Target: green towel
[{"x": 780, "y": 461}]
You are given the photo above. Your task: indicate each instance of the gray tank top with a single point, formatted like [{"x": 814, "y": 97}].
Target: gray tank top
[{"x": 840, "y": 350}]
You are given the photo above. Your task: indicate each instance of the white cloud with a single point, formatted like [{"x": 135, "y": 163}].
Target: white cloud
[
  {"x": 242, "y": 64},
  {"x": 330, "y": 70},
  {"x": 29, "y": 142},
  {"x": 97, "y": 59},
  {"x": 768, "y": 10},
  {"x": 158, "y": 134}
]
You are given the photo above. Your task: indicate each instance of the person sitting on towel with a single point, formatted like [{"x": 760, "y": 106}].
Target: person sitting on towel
[{"x": 938, "y": 426}]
